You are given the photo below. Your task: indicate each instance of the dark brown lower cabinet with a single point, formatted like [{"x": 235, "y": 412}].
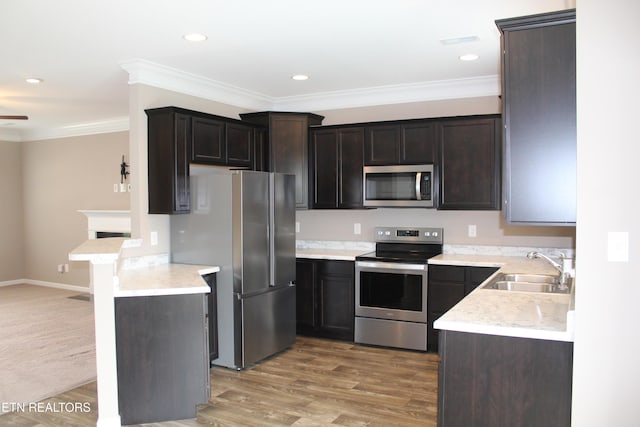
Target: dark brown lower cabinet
[
  {"x": 490, "y": 380},
  {"x": 448, "y": 285},
  {"x": 325, "y": 292},
  {"x": 162, "y": 352}
]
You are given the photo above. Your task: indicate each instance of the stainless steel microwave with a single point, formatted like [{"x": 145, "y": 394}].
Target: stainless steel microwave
[{"x": 398, "y": 186}]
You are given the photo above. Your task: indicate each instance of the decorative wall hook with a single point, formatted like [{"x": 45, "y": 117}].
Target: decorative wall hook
[{"x": 123, "y": 171}]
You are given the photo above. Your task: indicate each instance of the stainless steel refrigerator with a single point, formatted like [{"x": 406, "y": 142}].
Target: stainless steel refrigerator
[{"x": 244, "y": 222}]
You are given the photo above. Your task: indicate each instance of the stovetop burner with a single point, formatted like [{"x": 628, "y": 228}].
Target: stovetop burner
[{"x": 411, "y": 245}]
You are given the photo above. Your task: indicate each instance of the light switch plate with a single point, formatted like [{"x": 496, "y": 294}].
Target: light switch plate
[{"x": 472, "y": 231}]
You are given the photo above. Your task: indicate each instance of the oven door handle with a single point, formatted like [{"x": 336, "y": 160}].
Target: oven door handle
[
  {"x": 418, "y": 182},
  {"x": 391, "y": 265}
]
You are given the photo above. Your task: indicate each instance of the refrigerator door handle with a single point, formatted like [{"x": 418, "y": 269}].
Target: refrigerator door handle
[{"x": 270, "y": 230}]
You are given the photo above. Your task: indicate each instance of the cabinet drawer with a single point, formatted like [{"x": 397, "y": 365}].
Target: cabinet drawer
[
  {"x": 336, "y": 268},
  {"x": 446, "y": 273}
]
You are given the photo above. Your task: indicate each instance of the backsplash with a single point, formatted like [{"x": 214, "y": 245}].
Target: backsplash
[{"x": 447, "y": 249}]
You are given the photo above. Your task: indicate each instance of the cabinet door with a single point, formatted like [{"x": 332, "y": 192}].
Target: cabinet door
[
  {"x": 239, "y": 142},
  {"x": 162, "y": 356},
  {"x": 305, "y": 297},
  {"x": 469, "y": 164},
  {"x": 350, "y": 162},
  {"x": 382, "y": 145},
  {"x": 539, "y": 98},
  {"x": 169, "y": 136},
  {"x": 418, "y": 143},
  {"x": 446, "y": 288},
  {"x": 288, "y": 151},
  {"x": 260, "y": 152},
  {"x": 337, "y": 168},
  {"x": 336, "y": 293},
  {"x": 208, "y": 142},
  {"x": 324, "y": 147}
]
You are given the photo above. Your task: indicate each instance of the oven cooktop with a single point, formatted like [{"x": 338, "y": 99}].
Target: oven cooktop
[{"x": 405, "y": 244}]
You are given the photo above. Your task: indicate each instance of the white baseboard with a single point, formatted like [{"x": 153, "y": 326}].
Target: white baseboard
[
  {"x": 65, "y": 286},
  {"x": 12, "y": 282}
]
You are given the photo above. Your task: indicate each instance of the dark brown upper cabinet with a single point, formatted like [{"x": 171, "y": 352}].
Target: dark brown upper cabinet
[
  {"x": 539, "y": 107},
  {"x": 469, "y": 163},
  {"x": 239, "y": 144},
  {"x": 286, "y": 145},
  {"x": 178, "y": 137},
  {"x": 169, "y": 154},
  {"x": 336, "y": 171},
  {"x": 207, "y": 141},
  {"x": 392, "y": 144}
]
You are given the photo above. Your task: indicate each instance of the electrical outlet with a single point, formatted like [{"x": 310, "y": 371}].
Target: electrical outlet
[
  {"x": 154, "y": 238},
  {"x": 472, "y": 231},
  {"x": 60, "y": 268},
  {"x": 357, "y": 228},
  {"x": 65, "y": 268},
  {"x": 297, "y": 226},
  {"x": 115, "y": 188},
  {"x": 123, "y": 188}
]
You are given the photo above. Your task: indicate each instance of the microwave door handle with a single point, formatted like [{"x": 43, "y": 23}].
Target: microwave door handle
[{"x": 418, "y": 182}]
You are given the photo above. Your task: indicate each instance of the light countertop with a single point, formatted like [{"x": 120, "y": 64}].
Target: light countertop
[
  {"x": 330, "y": 253},
  {"x": 508, "y": 313},
  {"x": 163, "y": 279},
  {"x": 144, "y": 280}
]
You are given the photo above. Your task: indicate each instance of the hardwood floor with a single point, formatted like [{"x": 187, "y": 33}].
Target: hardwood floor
[{"x": 315, "y": 383}]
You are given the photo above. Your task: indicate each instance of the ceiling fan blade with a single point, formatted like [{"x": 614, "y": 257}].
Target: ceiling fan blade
[{"x": 14, "y": 117}]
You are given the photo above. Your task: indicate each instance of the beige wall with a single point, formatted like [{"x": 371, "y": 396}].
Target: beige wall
[
  {"x": 61, "y": 176},
  {"x": 607, "y": 344},
  {"x": 11, "y": 213},
  {"x": 491, "y": 228}
]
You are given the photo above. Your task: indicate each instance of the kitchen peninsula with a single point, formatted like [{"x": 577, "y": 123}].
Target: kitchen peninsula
[
  {"x": 152, "y": 351},
  {"x": 506, "y": 356}
]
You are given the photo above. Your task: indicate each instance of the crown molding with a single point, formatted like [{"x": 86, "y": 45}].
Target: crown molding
[
  {"x": 119, "y": 124},
  {"x": 393, "y": 94},
  {"x": 157, "y": 75},
  {"x": 152, "y": 74},
  {"x": 161, "y": 76}
]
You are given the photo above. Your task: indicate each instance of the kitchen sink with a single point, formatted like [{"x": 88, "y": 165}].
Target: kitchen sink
[
  {"x": 526, "y": 283},
  {"x": 530, "y": 278}
]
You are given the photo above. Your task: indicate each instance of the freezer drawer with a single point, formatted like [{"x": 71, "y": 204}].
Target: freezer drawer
[{"x": 268, "y": 325}]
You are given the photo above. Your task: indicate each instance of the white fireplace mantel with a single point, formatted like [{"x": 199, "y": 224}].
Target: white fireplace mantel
[{"x": 114, "y": 221}]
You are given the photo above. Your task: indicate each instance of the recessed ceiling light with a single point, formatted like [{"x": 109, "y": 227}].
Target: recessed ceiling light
[
  {"x": 469, "y": 57},
  {"x": 194, "y": 37},
  {"x": 300, "y": 77},
  {"x": 33, "y": 80}
]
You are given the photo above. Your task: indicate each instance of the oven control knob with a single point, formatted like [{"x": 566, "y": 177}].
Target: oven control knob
[
  {"x": 387, "y": 233},
  {"x": 435, "y": 234},
  {"x": 427, "y": 234}
]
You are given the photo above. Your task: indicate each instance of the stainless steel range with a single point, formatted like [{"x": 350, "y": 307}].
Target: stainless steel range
[{"x": 391, "y": 287}]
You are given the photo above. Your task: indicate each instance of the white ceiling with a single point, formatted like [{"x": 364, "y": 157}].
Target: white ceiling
[{"x": 356, "y": 52}]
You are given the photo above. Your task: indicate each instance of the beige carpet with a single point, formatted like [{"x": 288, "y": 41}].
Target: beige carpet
[{"x": 47, "y": 343}]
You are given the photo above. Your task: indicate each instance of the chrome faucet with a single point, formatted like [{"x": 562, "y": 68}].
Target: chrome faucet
[{"x": 565, "y": 271}]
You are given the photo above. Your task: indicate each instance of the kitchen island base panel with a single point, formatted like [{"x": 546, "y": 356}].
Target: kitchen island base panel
[
  {"x": 492, "y": 380},
  {"x": 163, "y": 357},
  {"x": 391, "y": 333}
]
